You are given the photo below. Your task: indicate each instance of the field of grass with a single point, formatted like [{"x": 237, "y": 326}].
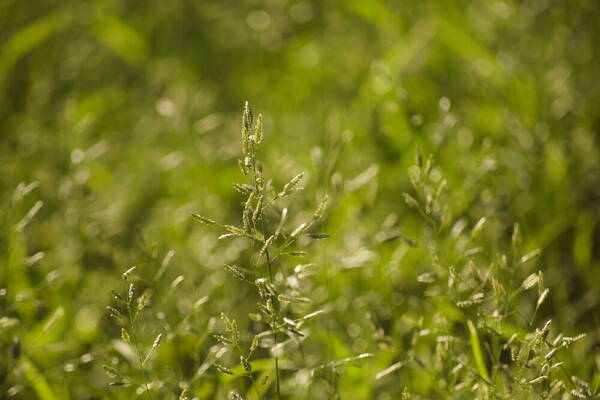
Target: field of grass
[{"x": 299, "y": 199}]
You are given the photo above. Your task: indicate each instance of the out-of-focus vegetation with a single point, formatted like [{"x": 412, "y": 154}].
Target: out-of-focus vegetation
[{"x": 119, "y": 119}]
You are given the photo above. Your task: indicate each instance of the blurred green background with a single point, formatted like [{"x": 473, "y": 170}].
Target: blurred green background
[{"x": 118, "y": 119}]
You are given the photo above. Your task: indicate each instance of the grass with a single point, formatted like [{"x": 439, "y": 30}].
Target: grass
[{"x": 414, "y": 216}]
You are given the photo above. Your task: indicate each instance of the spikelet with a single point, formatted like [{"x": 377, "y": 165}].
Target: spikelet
[
  {"x": 292, "y": 185},
  {"x": 542, "y": 297},
  {"x": 177, "y": 281},
  {"x": 318, "y": 236},
  {"x": 247, "y": 116},
  {"x": 392, "y": 368},
  {"x": 269, "y": 306},
  {"x": 203, "y": 220},
  {"x": 411, "y": 201},
  {"x": 497, "y": 288},
  {"x": 247, "y": 212},
  {"x": 225, "y": 341},
  {"x": 234, "y": 229},
  {"x": 313, "y": 315},
  {"x": 157, "y": 341},
  {"x": 110, "y": 371},
  {"x": 29, "y": 216},
  {"x": 557, "y": 340},
  {"x": 258, "y": 180},
  {"x": 224, "y": 370},
  {"x": 299, "y": 229},
  {"x": 255, "y": 343},
  {"x": 255, "y": 317},
  {"x": 246, "y": 221},
  {"x": 114, "y": 313},
  {"x": 529, "y": 256},
  {"x": 117, "y": 295},
  {"x": 428, "y": 165},
  {"x": 567, "y": 341},
  {"x": 303, "y": 271},
  {"x": 258, "y": 129},
  {"x": 266, "y": 246},
  {"x": 321, "y": 208},
  {"x": 257, "y": 210},
  {"x": 545, "y": 330},
  {"x": 516, "y": 238},
  {"x": 130, "y": 293},
  {"x": 250, "y": 200},
  {"x": 541, "y": 286},
  {"x": 125, "y": 275},
  {"x": 418, "y": 158},
  {"x": 292, "y": 299},
  {"x": 530, "y": 281},
  {"x": 144, "y": 300},
  {"x": 164, "y": 265},
  {"x": 125, "y": 336},
  {"x": 282, "y": 221},
  {"x": 235, "y": 271},
  {"x": 23, "y": 189},
  {"x": 243, "y": 188},
  {"x": 245, "y": 364},
  {"x": 578, "y": 394},
  {"x": 155, "y": 344},
  {"x": 231, "y": 328},
  {"x": 478, "y": 227},
  {"x": 551, "y": 353},
  {"x": 297, "y": 253},
  {"x": 243, "y": 167},
  {"x": 538, "y": 379},
  {"x": 246, "y": 128},
  {"x": 200, "y": 302}
]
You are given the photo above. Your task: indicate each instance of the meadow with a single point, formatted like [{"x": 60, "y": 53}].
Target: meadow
[{"x": 299, "y": 199}]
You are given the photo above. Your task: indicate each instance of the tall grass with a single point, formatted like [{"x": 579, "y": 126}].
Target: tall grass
[
  {"x": 119, "y": 120},
  {"x": 474, "y": 332}
]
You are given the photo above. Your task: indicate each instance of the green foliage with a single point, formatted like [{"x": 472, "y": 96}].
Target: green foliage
[{"x": 355, "y": 265}]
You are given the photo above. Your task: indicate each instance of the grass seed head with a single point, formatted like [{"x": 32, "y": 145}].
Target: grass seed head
[
  {"x": 203, "y": 220},
  {"x": 130, "y": 293},
  {"x": 126, "y": 274},
  {"x": 235, "y": 396},
  {"x": 292, "y": 185},
  {"x": 125, "y": 336},
  {"x": 516, "y": 237},
  {"x": 258, "y": 129},
  {"x": 266, "y": 246},
  {"x": 224, "y": 370},
  {"x": 282, "y": 221},
  {"x": 318, "y": 214},
  {"x": 411, "y": 201},
  {"x": 245, "y": 364},
  {"x": 257, "y": 214}
]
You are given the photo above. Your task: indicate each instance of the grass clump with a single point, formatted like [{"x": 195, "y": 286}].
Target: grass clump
[
  {"x": 269, "y": 351},
  {"x": 479, "y": 340},
  {"x": 475, "y": 330}
]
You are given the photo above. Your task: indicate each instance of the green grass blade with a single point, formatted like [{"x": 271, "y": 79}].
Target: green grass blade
[
  {"x": 477, "y": 353},
  {"x": 37, "y": 381}
]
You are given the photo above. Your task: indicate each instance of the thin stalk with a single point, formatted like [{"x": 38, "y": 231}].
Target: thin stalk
[
  {"x": 239, "y": 350},
  {"x": 273, "y": 324},
  {"x": 270, "y": 268},
  {"x": 138, "y": 350},
  {"x": 255, "y": 387}
]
